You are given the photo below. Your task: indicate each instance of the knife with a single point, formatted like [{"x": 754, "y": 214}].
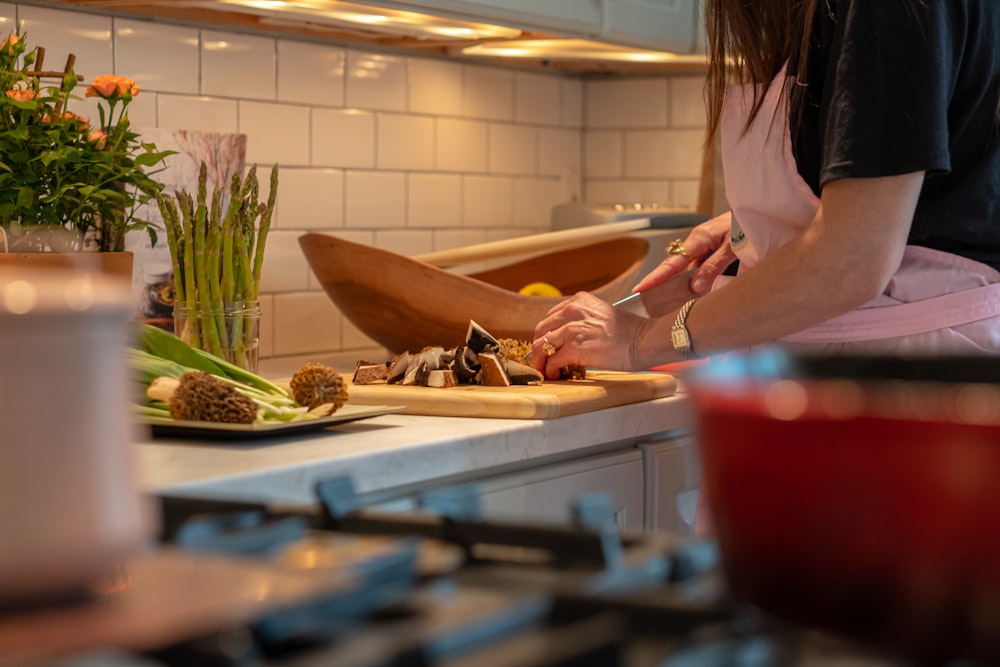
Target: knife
[{"x": 660, "y": 300}]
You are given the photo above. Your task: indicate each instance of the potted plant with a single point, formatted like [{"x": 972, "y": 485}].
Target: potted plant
[{"x": 67, "y": 185}]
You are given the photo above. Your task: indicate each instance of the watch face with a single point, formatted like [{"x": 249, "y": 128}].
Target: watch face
[{"x": 680, "y": 339}]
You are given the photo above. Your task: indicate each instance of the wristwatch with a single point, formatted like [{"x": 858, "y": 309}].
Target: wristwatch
[{"x": 679, "y": 335}]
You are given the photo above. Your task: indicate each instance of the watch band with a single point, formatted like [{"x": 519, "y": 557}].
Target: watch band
[{"x": 679, "y": 335}]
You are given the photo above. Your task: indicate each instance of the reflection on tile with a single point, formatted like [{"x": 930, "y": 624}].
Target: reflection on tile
[
  {"x": 687, "y": 105},
  {"x": 142, "y": 109},
  {"x": 280, "y": 132},
  {"x": 374, "y": 199},
  {"x": 376, "y": 81},
  {"x": 537, "y": 99},
  {"x": 559, "y": 153},
  {"x": 663, "y": 154},
  {"x": 571, "y": 99},
  {"x": 626, "y": 103},
  {"x": 234, "y": 65},
  {"x": 434, "y": 200},
  {"x": 61, "y": 33},
  {"x": 434, "y": 87},
  {"x": 310, "y": 199},
  {"x": 343, "y": 138},
  {"x": 208, "y": 114},
  {"x": 603, "y": 154},
  {"x": 487, "y": 201},
  {"x": 460, "y": 145},
  {"x": 405, "y": 241},
  {"x": 163, "y": 58},
  {"x": 7, "y": 16},
  {"x": 534, "y": 199},
  {"x": 513, "y": 149},
  {"x": 404, "y": 142},
  {"x": 488, "y": 93},
  {"x": 285, "y": 268},
  {"x": 305, "y": 322},
  {"x": 310, "y": 73}
]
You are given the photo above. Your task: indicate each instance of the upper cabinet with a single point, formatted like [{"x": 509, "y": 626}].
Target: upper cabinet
[{"x": 664, "y": 25}]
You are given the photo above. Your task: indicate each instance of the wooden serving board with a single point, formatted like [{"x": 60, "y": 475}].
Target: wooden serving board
[{"x": 601, "y": 389}]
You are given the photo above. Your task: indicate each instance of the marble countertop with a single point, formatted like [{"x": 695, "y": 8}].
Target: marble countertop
[{"x": 394, "y": 451}]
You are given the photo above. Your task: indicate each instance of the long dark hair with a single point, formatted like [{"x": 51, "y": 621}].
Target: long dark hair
[{"x": 748, "y": 42}]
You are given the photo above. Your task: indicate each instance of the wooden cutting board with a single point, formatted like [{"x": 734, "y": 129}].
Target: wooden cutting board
[{"x": 601, "y": 389}]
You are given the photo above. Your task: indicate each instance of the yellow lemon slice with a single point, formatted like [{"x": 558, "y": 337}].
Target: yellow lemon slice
[{"x": 539, "y": 289}]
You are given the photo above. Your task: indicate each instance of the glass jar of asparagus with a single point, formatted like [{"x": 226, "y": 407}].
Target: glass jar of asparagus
[{"x": 217, "y": 250}]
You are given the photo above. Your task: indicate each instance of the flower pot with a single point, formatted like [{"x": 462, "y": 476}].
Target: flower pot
[{"x": 114, "y": 264}]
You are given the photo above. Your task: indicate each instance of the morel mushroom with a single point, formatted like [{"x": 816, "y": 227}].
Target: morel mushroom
[
  {"x": 200, "y": 396},
  {"x": 315, "y": 384}
]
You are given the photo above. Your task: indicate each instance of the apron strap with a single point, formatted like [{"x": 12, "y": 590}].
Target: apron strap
[{"x": 905, "y": 319}]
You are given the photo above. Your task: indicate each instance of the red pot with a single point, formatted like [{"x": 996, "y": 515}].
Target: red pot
[{"x": 860, "y": 495}]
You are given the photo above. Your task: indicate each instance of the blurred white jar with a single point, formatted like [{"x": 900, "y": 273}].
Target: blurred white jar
[{"x": 69, "y": 499}]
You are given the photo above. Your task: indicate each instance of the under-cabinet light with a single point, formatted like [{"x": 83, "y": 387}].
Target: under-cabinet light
[{"x": 574, "y": 49}]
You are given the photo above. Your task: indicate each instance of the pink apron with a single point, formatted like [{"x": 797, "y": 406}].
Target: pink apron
[{"x": 936, "y": 302}]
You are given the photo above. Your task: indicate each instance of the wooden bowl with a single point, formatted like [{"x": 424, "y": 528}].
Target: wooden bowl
[{"x": 406, "y": 305}]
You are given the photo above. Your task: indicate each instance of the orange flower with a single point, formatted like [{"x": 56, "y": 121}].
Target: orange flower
[
  {"x": 68, "y": 116},
  {"x": 112, "y": 87},
  {"x": 22, "y": 94},
  {"x": 98, "y": 137},
  {"x": 9, "y": 46}
]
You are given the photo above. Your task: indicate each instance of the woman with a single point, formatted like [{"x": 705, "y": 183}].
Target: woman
[{"x": 861, "y": 147}]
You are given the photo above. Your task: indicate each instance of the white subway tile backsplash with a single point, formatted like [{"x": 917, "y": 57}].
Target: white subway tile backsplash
[
  {"x": 571, "y": 102},
  {"x": 487, "y": 201},
  {"x": 285, "y": 268},
  {"x": 266, "y": 348},
  {"x": 604, "y": 153},
  {"x": 663, "y": 153},
  {"x": 404, "y": 142},
  {"x": 446, "y": 239},
  {"x": 311, "y": 73},
  {"x": 205, "y": 114},
  {"x": 460, "y": 145},
  {"x": 376, "y": 81},
  {"x": 559, "y": 153},
  {"x": 434, "y": 200},
  {"x": 276, "y": 133},
  {"x": 687, "y": 102},
  {"x": 142, "y": 110},
  {"x": 405, "y": 241},
  {"x": 434, "y": 87},
  {"x": 534, "y": 199},
  {"x": 628, "y": 103},
  {"x": 235, "y": 65},
  {"x": 305, "y": 322},
  {"x": 62, "y": 33},
  {"x": 158, "y": 57},
  {"x": 375, "y": 199},
  {"x": 352, "y": 339},
  {"x": 343, "y": 138},
  {"x": 8, "y": 15},
  {"x": 685, "y": 193},
  {"x": 537, "y": 99},
  {"x": 487, "y": 93},
  {"x": 310, "y": 199},
  {"x": 513, "y": 149}
]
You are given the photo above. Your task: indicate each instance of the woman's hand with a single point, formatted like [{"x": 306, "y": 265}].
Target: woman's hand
[
  {"x": 588, "y": 331},
  {"x": 708, "y": 255}
]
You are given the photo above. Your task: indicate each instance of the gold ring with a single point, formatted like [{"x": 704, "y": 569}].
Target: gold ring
[
  {"x": 676, "y": 247},
  {"x": 548, "y": 347}
]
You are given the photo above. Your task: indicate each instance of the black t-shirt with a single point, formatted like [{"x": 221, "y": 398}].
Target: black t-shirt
[{"x": 897, "y": 86}]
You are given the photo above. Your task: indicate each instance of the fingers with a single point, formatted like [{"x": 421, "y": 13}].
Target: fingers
[{"x": 711, "y": 268}]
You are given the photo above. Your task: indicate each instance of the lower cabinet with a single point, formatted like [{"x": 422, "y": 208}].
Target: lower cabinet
[
  {"x": 672, "y": 480},
  {"x": 547, "y": 493}
]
